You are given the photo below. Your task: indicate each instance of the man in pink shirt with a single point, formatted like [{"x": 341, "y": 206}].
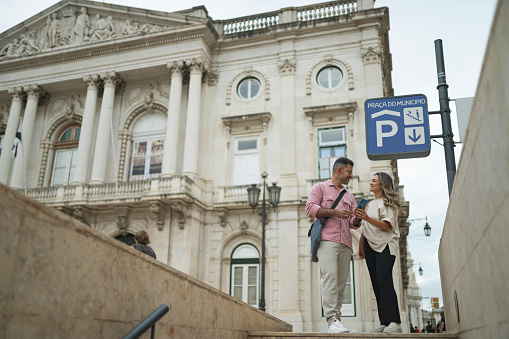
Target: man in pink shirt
[{"x": 335, "y": 248}]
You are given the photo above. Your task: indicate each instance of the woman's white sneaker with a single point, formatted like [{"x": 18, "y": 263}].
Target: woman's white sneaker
[{"x": 393, "y": 328}]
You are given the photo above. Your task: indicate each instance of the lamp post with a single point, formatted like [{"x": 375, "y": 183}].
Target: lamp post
[
  {"x": 427, "y": 228},
  {"x": 253, "y": 194}
]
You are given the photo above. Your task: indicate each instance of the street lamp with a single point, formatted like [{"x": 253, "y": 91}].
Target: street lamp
[
  {"x": 427, "y": 228},
  {"x": 253, "y": 195}
]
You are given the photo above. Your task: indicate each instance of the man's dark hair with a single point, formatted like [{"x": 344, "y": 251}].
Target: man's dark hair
[{"x": 341, "y": 162}]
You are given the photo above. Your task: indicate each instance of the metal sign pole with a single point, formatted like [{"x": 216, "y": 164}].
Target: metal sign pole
[{"x": 445, "y": 112}]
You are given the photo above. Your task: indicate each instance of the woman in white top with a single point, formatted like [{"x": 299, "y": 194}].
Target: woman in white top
[{"x": 379, "y": 245}]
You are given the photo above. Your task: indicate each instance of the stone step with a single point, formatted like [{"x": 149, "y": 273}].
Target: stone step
[{"x": 290, "y": 335}]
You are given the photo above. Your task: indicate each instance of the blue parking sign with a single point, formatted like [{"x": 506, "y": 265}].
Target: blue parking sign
[{"x": 397, "y": 127}]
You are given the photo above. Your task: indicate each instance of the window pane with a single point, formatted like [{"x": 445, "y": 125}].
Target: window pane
[
  {"x": 323, "y": 79},
  {"x": 74, "y": 156},
  {"x": 243, "y": 88},
  {"x": 335, "y": 76},
  {"x": 339, "y": 152},
  {"x": 67, "y": 135},
  {"x": 325, "y": 152},
  {"x": 140, "y": 148},
  {"x": 237, "y": 278},
  {"x": 332, "y": 135},
  {"x": 237, "y": 292},
  {"x": 58, "y": 176},
  {"x": 157, "y": 146},
  {"x": 138, "y": 166},
  {"x": 61, "y": 160},
  {"x": 251, "y": 295},
  {"x": 251, "y": 280},
  {"x": 156, "y": 164},
  {"x": 247, "y": 145},
  {"x": 77, "y": 132},
  {"x": 255, "y": 87}
]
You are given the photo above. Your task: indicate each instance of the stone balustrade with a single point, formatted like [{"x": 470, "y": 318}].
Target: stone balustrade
[
  {"x": 235, "y": 193},
  {"x": 287, "y": 15}
]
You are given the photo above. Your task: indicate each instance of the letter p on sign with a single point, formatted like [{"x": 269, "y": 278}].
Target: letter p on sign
[{"x": 380, "y": 134}]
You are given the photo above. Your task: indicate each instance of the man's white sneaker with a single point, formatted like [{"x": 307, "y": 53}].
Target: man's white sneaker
[
  {"x": 393, "y": 328},
  {"x": 379, "y": 329},
  {"x": 337, "y": 326}
]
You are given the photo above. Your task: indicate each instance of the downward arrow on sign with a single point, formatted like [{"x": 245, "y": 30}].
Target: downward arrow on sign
[{"x": 415, "y": 137}]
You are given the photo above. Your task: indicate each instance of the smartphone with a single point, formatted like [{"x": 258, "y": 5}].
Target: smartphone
[{"x": 362, "y": 203}]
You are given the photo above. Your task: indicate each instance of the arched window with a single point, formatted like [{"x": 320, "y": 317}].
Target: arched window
[
  {"x": 148, "y": 147},
  {"x": 329, "y": 77},
  {"x": 248, "y": 88},
  {"x": 126, "y": 239},
  {"x": 245, "y": 274},
  {"x": 66, "y": 151}
]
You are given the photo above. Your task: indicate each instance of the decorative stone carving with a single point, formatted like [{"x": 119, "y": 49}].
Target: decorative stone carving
[
  {"x": 123, "y": 214},
  {"x": 33, "y": 91},
  {"x": 222, "y": 217},
  {"x": 103, "y": 29},
  {"x": 46, "y": 146},
  {"x": 197, "y": 65},
  {"x": 243, "y": 226},
  {"x": 92, "y": 81},
  {"x": 179, "y": 209},
  {"x": 81, "y": 28},
  {"x": 246, "y": 73},
  {"x": 25, "y": 45},
  {"x": 330, "y": 61},
  {"x": 72, "y": 102},
  {"x": 131, "y": 28},
  {"x": 287, "y": 66},
  {"x": 176, "y": 68},
  {"x": 78, "y": 213},
  {"x": 53, "y": 30},
  {"x": 371, "y": 55},
  {"x": 17, "y": 93},
  {"x": 158, "y": 210},
  {"x": 212, "y": 77},
  {"x": 110, "y": 79}
]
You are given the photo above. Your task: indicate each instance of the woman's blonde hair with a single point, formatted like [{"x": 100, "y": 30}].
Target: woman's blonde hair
[{"x": 390, "y": 196}]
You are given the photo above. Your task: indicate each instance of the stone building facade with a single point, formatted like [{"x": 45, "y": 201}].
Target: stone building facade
[{"x": 143, "y": 120}]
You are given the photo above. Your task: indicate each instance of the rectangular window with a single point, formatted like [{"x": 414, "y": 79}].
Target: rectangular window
[
  {"x": 147, "y": 158},
  {"x": 245, "y": 281},
  {"x": 331, "y": 145},
  {"x": 246, "y": 161},
  {"x": 65, "y": 163}
]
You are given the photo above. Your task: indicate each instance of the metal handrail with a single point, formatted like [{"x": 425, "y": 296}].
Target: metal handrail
[{"x": 149, "y": 321}]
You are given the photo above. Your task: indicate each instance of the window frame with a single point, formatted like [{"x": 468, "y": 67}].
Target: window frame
[
  {"x": 245, "y": 263},
  {"x": 149, "y": 138},
  {"x": 249, "y": 95},
  {"x": 238, "y": 153},
  {"x": 70, "y": 146},
  {"x": 329, "y": 145},
  {"x": 329, "y": 68}
]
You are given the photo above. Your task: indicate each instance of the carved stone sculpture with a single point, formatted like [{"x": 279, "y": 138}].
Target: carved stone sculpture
[
  {"x": 130, "y": 29},
  {"x": 103, "y": 29},
  {"x": 53, "y": 33},
  {"x": 81, "y": 28}
]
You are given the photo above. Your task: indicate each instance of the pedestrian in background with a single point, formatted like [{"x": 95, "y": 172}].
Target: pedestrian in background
[
  {"x": 141, "y": 244},
  {"x": 379, "y": 245}
]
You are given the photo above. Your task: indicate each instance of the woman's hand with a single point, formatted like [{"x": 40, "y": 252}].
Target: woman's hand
[
  {"x": 360, "y": 213},
  {"x": 361, "y": 247}
]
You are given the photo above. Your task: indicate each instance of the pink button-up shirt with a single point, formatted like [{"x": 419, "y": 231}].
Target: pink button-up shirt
[{"x": 335, "y": 229}]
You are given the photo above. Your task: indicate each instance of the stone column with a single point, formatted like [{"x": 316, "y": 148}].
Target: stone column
[
  {"x": 373, "y": 61},
  {"x": 87, "y": 129},
  {"x": 10, "y": 133},
  {"x": 172, "y": 124},
  {"x": 196, "y": 68},
  {"x": 24, "y": 152},
  {"x": 103, "y": 142},
  {"x": 287, "y": 127}
]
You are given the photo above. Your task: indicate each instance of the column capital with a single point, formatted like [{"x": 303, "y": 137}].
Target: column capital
[
  {"x": 176, "y": 68},
  {"x": 286, "y": 66},
  {"x": 197, "y": 65},
  {"x": 111, "y": 79},
  {"x": 16, "y": 93},
  {"x": 33, "y": 91},
  {"x": 92, "y": 81}
]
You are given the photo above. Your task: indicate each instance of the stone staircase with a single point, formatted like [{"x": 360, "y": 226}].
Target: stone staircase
[{"x": 289, "y": 335}]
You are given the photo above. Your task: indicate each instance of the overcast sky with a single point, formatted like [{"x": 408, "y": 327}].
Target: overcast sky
[{"x": 463, "y": 26}]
